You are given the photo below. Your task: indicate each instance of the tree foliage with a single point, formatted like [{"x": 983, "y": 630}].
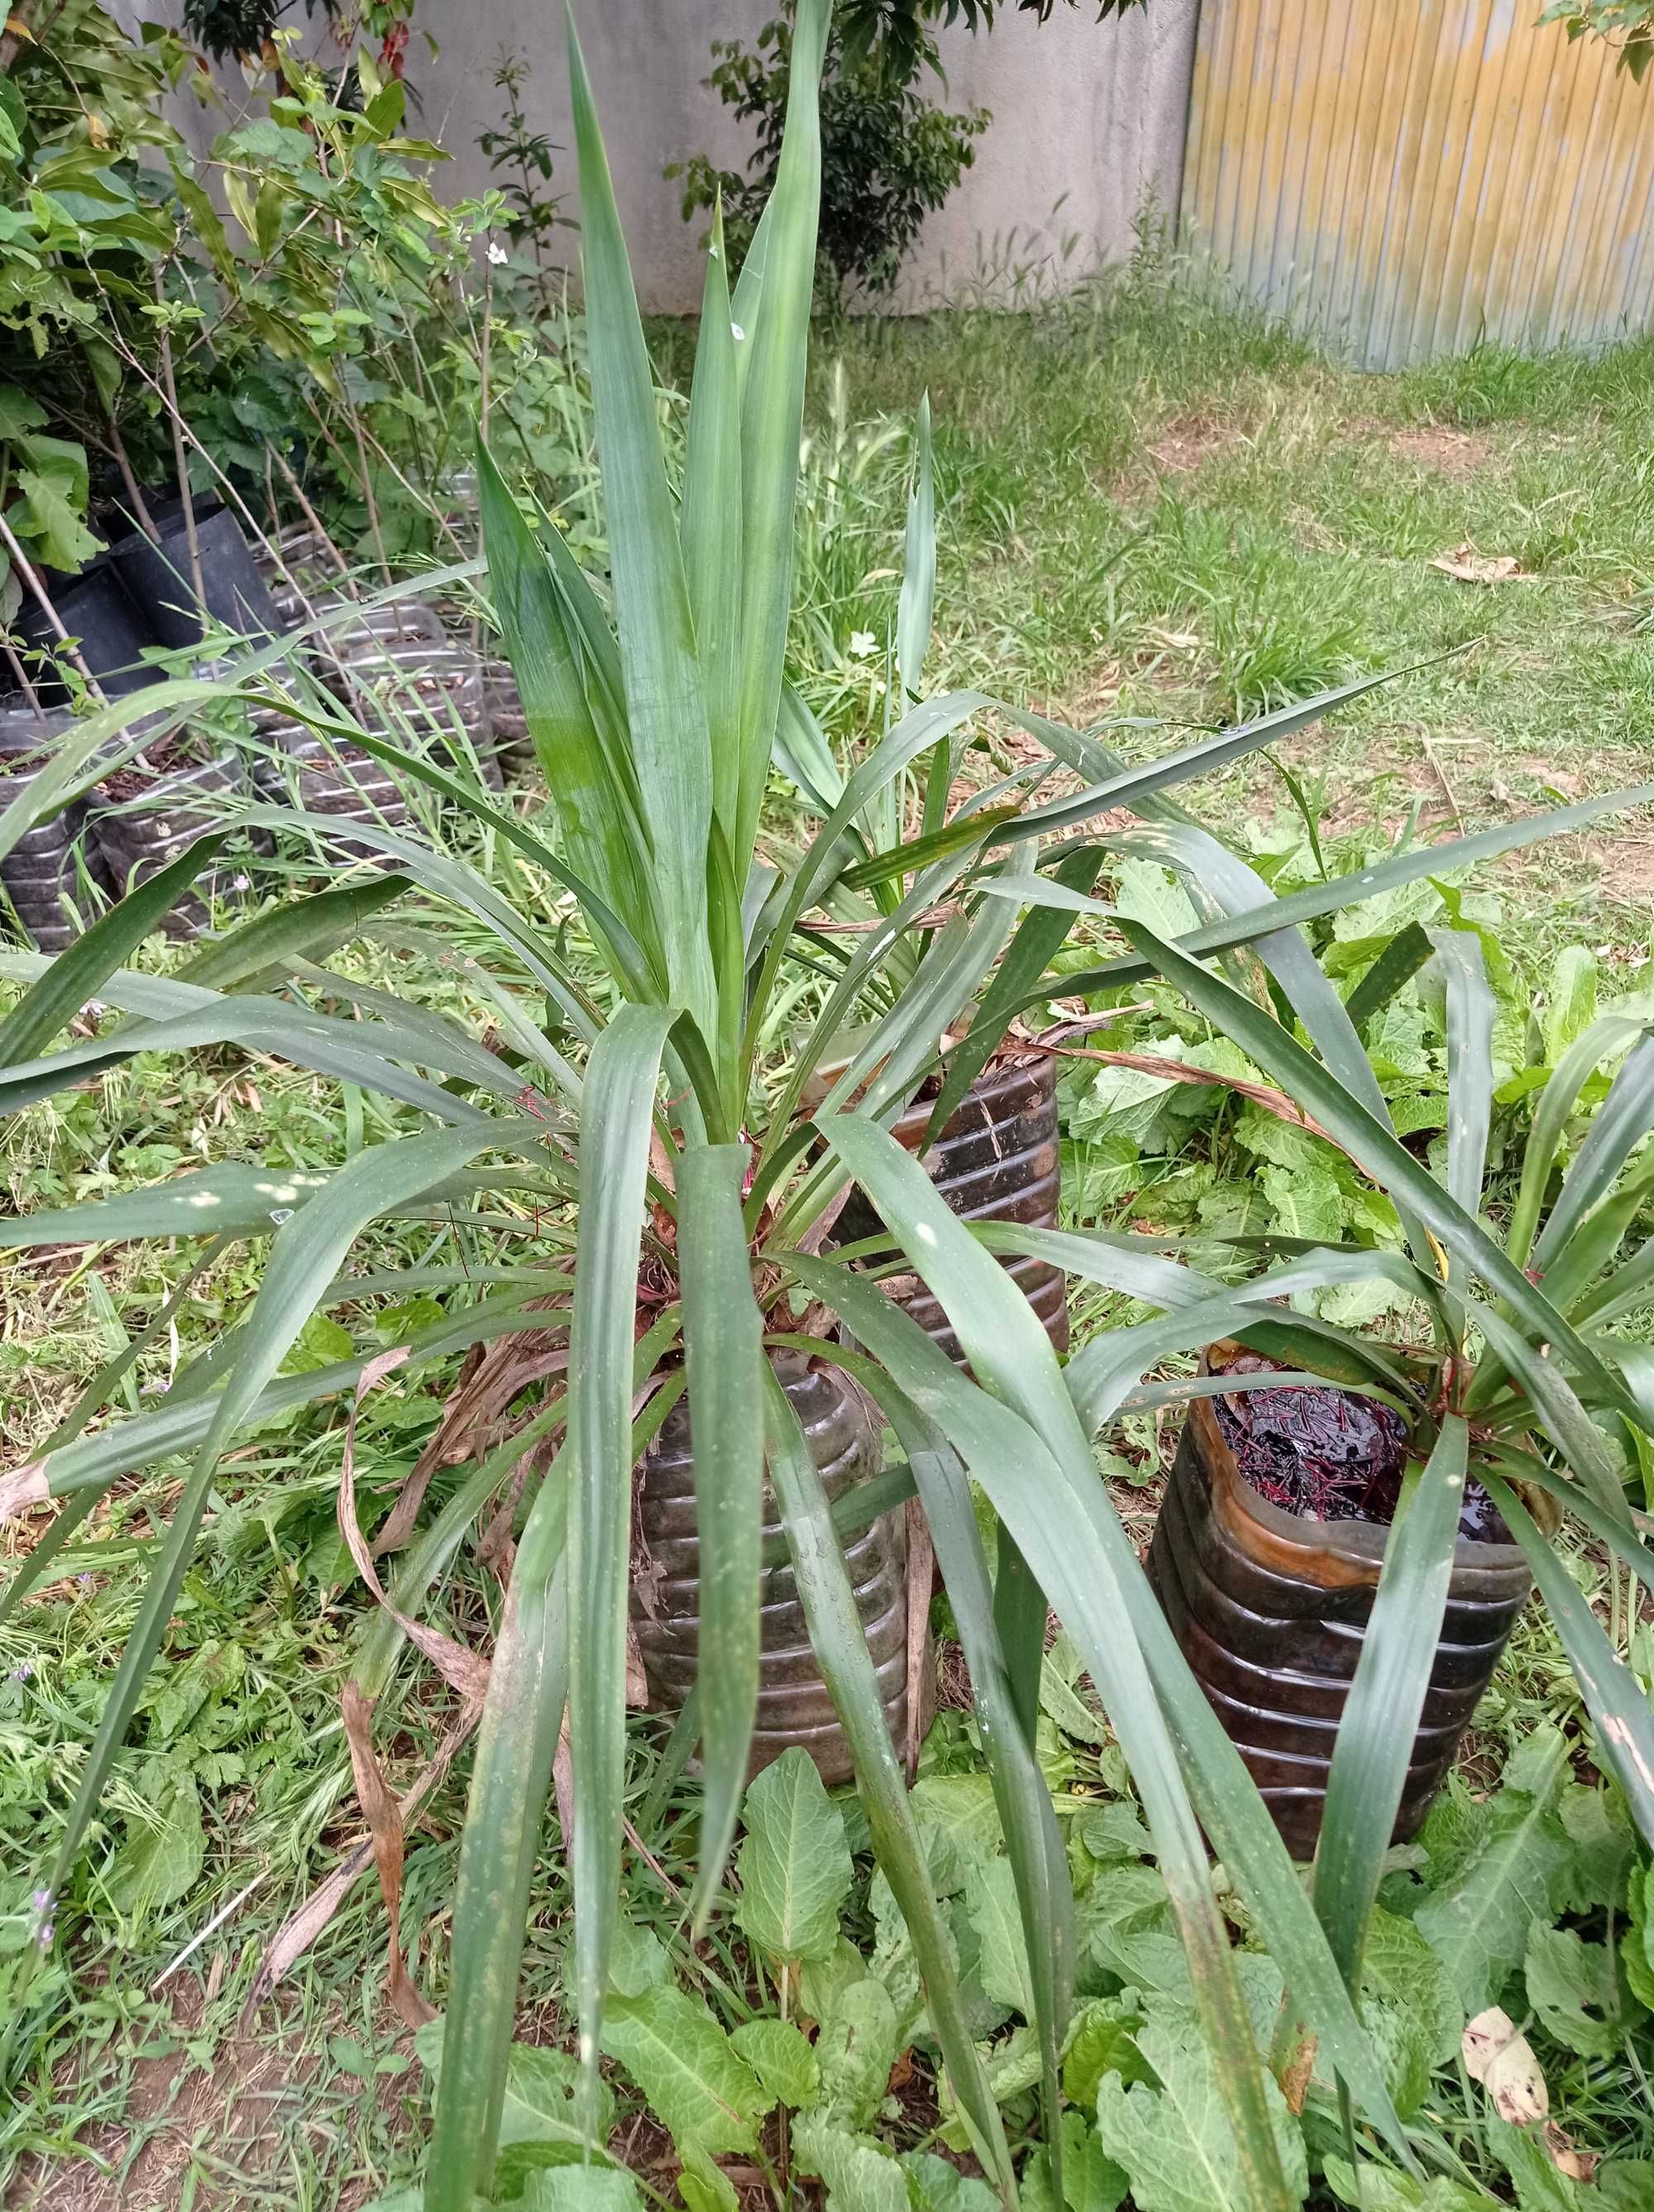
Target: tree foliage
[{"x": 889, "y": 157}]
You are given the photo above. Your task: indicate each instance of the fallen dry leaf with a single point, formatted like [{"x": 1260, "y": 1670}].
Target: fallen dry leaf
[
  {"x": 1565, "y": 2157},
  {"x": 296, "y": 1934},
  {"x": 384, "y": 1818},
  {"x": 463, "y": 1670},
  {"x": 1503, "y": 2062},
  {"x": 1473, "y": 568},
  {"x": 1296, "y": 2075}
]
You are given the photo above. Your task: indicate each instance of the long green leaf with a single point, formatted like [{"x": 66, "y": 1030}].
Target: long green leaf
[
  {"x": 666, "y": 707},
  {"x": 521, "y": 1718},
  {"x": 1339, "y": 891},
  {"x": 1124, "y": 1264},
  {"x": 74, "y": 975},
  {"x": 918, "y": 573},
  {"x": 830, "y": 850},
  {"x": 345, "y": 1049},
  {"x": 621, "y": 1075},
  {"x": 840, "y": 1640},
  {"x": 588, "y": 769},
  {"x": 723, "y": 1354},
  {"x": 1381, "y": 1714},
  {"x": 1377, "y": 1151},
  {"x": 1131, "y": 785},
  {"x": 180, "y": 1421},
  {"x": 776, "y": 347},
  {"x": 712, "y": 525},
  {"x": 1613, "y": 1695},
  {"x": 1620, "y": 1123},
  {"x": 1034, "y": 1842},
  {"x": 1609, "y": 1033},
  {"x": 303, "y": 1261},
  {"x": 1469, "y": 1073},
  {"x": 1039, "y": 935},
  {"x": 1008, "y": 1349},
  {"x": 1073, "y": 1539},
  {"x": 1395, "y": 967},
  {"x": 260, "y": 954}
]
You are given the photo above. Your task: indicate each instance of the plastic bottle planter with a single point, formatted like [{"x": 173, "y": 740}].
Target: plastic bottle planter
[
  {"x": 997, "y": 1160},
  {"x": 425, "y": 690},
  {"x": 140, "y": 833},
  {"x": 1268, "y": 1607},
  {"x": 794, "y": 1703},
  {"x": 159, "y": 577},
  {"x": 110, "y": 631},
  {"x": 302, "y": 553},
  {"x": 371, "y": 629},
  {"x": 508, "y": 725},
  {"x": 331, "y": 777},
  {"x": 47, "y": 864}
]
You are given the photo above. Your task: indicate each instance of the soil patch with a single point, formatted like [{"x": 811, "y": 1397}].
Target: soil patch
[
  {"x": 1456, "y": 453},
  {"x": 1183, "y": 443},
  {"x": 179, "y": 749},
  {"x": 1330, "y": 1455}
]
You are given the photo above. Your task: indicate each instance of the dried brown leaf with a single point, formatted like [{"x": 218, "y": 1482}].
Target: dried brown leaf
[
  {"x": 462, "y": 1669},
  {"x": 384, "y": 1818},
  {"x": 1473, "y": 568}
]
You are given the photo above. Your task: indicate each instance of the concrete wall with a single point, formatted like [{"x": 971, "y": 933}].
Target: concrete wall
[
  {"x": 1088, "y": 123},
  {"x": 1088, "y": 115}
]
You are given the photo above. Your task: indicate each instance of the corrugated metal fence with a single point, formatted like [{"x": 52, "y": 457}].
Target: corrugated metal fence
[{"x": 1403, "y": 177}]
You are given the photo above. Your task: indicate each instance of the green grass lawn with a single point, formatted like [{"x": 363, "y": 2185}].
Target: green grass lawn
[
  {"x": 1154, "y": 507},
  {"x": 1153, "y": 513}
]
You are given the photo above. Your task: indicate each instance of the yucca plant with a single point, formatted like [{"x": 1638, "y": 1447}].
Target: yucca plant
[
  {"x": 1534, "y": 1376},
  {"x": 664, "y": 1099}
]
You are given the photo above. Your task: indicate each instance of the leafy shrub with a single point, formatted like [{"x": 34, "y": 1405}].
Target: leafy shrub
[{"x": 888, "y": 158}]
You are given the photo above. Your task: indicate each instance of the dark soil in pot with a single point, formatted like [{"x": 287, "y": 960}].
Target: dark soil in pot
[
  {"x": 997, "y": 1160},
  {"x": 159, "y": 577},
  {"x": 146, "y": 813},
  {"x": 794, "y": 1703},
  {"x": 1269, "y": 1600}
]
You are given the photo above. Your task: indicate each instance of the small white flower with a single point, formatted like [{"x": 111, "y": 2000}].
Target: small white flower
[
  {"x": 496, "y": 252},
  {"x": 737, "y": 333},
  {"x": 243, "y": 882},
  {"x": 862, "y": 644}
]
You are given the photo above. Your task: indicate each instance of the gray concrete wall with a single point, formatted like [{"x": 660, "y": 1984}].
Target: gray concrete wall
[{"x": 1088, "y": 126}]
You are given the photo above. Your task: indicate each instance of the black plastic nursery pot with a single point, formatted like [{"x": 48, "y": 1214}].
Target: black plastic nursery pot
[
  {"x": 110, "y": 629},
  {"x": 996, "y": 1160},
  {"x": 795, "y": 1705},
  {"x": 144, "y": 819},
  {"x": 160, "y": 578},
  {"x": 1270, "y": 1605}
]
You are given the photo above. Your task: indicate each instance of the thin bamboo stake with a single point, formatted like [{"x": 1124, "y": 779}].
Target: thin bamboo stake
[
  {"x": 21, "y": 562},
  {"x": 141, "y": 513},
  {"x": 197, "y": 580},
  {"x": 18, "y": 671}
]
